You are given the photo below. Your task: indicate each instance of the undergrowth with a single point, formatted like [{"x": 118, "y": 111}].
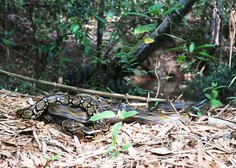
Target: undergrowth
[{"x": 221, "y": 76}]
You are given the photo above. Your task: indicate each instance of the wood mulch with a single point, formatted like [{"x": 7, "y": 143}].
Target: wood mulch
[{"x": 208, "y": 142}]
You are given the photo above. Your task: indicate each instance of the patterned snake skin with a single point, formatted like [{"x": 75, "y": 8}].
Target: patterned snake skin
[{"x": 73, "y": 114}]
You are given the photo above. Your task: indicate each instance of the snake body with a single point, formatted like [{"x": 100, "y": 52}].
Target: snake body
[
  {"x": 73, "y": 114},
  {"x": 86, "y": 102}
]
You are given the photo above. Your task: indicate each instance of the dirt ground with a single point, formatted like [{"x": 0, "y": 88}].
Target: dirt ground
[{"x": 207, "y": 142}]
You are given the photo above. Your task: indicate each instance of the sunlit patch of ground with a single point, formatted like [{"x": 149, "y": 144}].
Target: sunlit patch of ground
[{"x": 30, "y": 143}]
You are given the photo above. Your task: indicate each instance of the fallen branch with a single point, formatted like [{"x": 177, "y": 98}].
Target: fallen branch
[{"x": 81, "y": 90}]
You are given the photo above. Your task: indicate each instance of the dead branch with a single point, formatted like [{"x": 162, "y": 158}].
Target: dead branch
[{"x": 81, "y": 90}]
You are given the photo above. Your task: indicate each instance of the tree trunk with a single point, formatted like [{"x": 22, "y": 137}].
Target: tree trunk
[
  {"x": 145, "y": 50},
  {"x": 100, "y": 27},
  {"x": 215, "y": 22}
]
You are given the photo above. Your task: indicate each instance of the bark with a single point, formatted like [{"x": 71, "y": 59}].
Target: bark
[
  {"x": 100, "y": 28},
  {"x": 215, "y": 22},
  {"x": 81, "y": 90},
  {"x": 145, "y": 50},
  {"x": 232, "y": 32}
]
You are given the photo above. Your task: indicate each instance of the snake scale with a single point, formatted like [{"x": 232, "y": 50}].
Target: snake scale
[{"x": 73, "y": 114}]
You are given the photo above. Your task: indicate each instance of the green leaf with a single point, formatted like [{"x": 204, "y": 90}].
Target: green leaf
[
  {"x": 177, "y": 48},
  {"x": 99, "y": 116},
  {"x": 203, "y": 59},
  {"x": 57, "y": 156},
  {"x": 232, "y": 81},
  {"x": 110, "y": 148},
  {"x": 128, "y": 114},
  {"x": 232, "y": 99},
  {"x": 101, "y": 20},
  {"x": 155, "y": 9},
  {"x": 110, "y": 14},
  {"x": 191, "y": 47},
  {"x": 135, "y": 13},
  {"x": 213, "y": 84},
  {"x": 144, "y": 28},
  {"x": 177, "y": 7},
  {"x": 63, "y": 60},
  {"x": 215, "y": 94},
  {"x": 206, "y": 46},
  {"x": 206, "y": 89},
  {"x": 8, "y": 42},
  {"x": 156, "y": 103},
  {"x": 181, "y": 58},
  {"x": 208, "y": 96},
  {"x": 74, "y": 27},
  {"x": 121, "y": 113},
  {"x": 206, "y": 55},
  {"x": 126, "y": 146},
  {"x": 215, "y": 103},
  {"x": 120, "y": 55},
  {"x": 115, "y": 154},
  {"x": 219, "y": 87},
  {"x": 115, "y": 132}
]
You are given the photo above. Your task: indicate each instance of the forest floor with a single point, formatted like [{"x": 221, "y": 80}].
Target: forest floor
[{"x": 32, "y": 143}]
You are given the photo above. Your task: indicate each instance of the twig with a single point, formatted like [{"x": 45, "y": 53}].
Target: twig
[
  {"x": 157, "y": 65},
  {"x": 82, "y": 90},
  {"x": 174, "y": 108},
  {"x": 218, "y": 114}
]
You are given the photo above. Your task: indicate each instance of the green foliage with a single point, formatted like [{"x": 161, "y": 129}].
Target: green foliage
[
  {"x": 126, "y": 60},
  {"x": 145, "y": 28},
  {"x": 155, "y": 9},
  {"x": 125, "y": 114},
  {"x": 50, "y": 24},
  {"x": 153, "y": 106},
  {"x": 105, "y": 114},
  {"x": 112, "y": 150},
  {"x": 46, "y": 25},
  {"x": 173, "y": 8},
  {"x": 198, "y": 53},
  {"x": 213, "y": 95},
  {"x": 215, "y": 84},
  {"x": 232, "y": 99},
  {"x": 115, "y": 132},
  {"x": 123, "y": 86},
  {"x": 8, "y": 38},
  {"x": 54, "y": 158},
  {"x": 8, "y": 43},
  {"x": 9, "y": 83}
]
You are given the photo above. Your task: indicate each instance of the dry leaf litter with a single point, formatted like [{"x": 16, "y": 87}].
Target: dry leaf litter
[{"x": 32, "y": 143}]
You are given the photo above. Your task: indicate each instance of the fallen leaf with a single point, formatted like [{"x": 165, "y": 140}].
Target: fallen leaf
[{"x": 161, "y": 151}]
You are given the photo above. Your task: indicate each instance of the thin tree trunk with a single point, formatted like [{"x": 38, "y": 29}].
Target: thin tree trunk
[
  {"x": 215, "y": 22},
  {"x": 100, "y": 27}
]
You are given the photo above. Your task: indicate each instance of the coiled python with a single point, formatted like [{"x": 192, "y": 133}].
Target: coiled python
[{"x": 73, "y": 113}]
